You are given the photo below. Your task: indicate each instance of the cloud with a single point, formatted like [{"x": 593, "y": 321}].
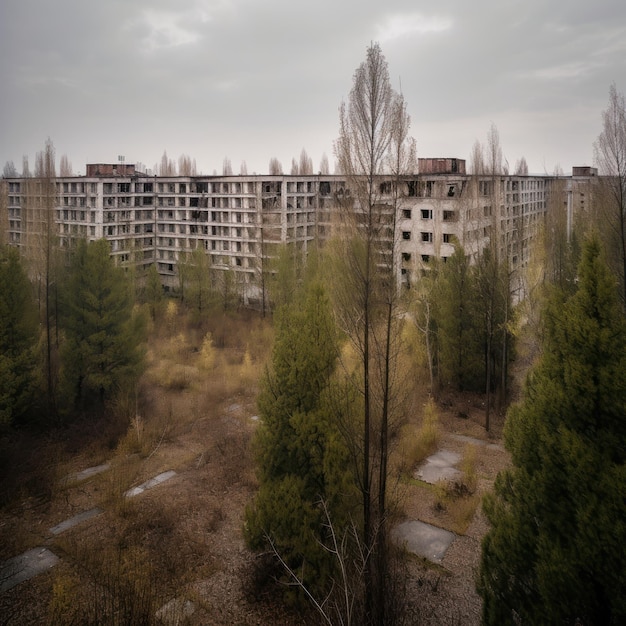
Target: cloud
[
  {"x": 164, "y": 30},
  {"x": 398, "y": 26}
]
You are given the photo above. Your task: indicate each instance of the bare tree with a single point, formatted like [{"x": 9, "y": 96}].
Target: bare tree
[
  {"x": 167, "y": 167},
  {"x": 305, "y": 166},
  {"x": 373, "y": 148},
  {"x": 521, "y": 167},
  {"x": 65, "y": 166},
  {"x": 275, "y": 167},
  {"x": 186, "y": 165},
  {"x": 25, "y": 167},
  {"x": 227, "y": 168},
  {"x": 324, "y": 166},
  {"x": 243, "y": 169},
  {"x": 39, "y": 244},
  {"x": 477, "y": 159},
  {"x": 295, "y": 169},
  {"x": 9, "y": 170},
  {"x": 610, "y": 152},
  {"x": 493, "y": 152}
]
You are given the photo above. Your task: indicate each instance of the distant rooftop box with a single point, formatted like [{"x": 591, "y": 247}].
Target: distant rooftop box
[
  {"x": 441, "y": 166},
  {"x": 110, "y": 169},
  {"x": 584, "y": 170}
]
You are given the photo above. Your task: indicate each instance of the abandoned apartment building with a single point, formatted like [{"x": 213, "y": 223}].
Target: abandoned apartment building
[{"x": 241, "y": 220}]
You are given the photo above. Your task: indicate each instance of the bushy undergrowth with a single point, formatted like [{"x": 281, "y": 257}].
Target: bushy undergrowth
[{"x": 418, "y": 441}]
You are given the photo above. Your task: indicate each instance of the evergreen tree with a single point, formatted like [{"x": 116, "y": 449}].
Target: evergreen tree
[
  {"x": 458, "y": 335},
  {"x": 301, "y": 457},
  {"x": 18, "y": 337},
  {"x": 555, "y": 552},
  {"x": 103, "y": 347}
]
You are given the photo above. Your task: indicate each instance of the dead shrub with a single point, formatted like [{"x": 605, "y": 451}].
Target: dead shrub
[
  {"x": 118, "y": 480},
  {"x": 116, "y": 586}
]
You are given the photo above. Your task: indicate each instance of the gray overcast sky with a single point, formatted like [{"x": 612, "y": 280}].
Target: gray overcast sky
[{"x": 255, "y": 79}]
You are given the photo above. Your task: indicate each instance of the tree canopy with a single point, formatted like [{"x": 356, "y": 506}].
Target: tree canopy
[
  {"x": 18, "y": 338},
  {"x": 301, "y": 458},
  {"x": 555, "y": 551},
  {"x": 103, "y": 347}
]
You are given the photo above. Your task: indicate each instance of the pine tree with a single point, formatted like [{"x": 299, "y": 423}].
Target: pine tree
[
  {"x": 18, "y": 337},
  {"x": 103, "y": 348},
  {"x": 301, "y": 458},
  {"x": 458, "y": 341},
  {"x": 555, "y": 552}
]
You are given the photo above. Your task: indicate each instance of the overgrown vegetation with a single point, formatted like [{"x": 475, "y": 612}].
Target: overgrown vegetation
[{"x": 554, "y": 552}]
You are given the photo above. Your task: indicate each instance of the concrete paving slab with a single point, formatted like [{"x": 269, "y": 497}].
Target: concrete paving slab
[
  {"x": 176, "y": 611},
  {"x": 26, "y": 566},
  {"x": 78, "y": 477},
  {"x": 423, "y": 539},
  {"x": 74, "y": 521},
  {"x": 439, "y": 466},
  {"x": 149, "y": 484}
]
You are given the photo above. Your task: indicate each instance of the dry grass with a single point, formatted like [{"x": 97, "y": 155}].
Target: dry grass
[
  {"x": 458, "y": 498},
  {"x": 183, "y": 539},
  {"x": 416, "y": 442}
]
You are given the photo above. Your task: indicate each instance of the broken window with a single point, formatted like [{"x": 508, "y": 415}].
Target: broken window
[
  {"x": 447, "y": 238},
  {"x": 449, "y": 216},
  {"x": 427, "y": 236},
  {"x": 325, "y": 188},
  {"x": 406, "y": 256},
  {"x": 406, "y": 235},
  {"x": 425, "y": 258},
  {"x": 426, "y": 189},
  {"x": 451, "y": 191},
  {"x": 427, "y": 214},
  {"x": 406, "y": 213}
]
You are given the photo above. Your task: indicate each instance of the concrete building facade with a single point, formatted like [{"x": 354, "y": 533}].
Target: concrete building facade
[{"x": 239, "y": 221}]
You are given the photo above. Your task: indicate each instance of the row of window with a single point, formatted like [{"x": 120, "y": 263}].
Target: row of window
[
  {"x": 427, "y": 236},
  {"x": 427, "y": 214}
]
